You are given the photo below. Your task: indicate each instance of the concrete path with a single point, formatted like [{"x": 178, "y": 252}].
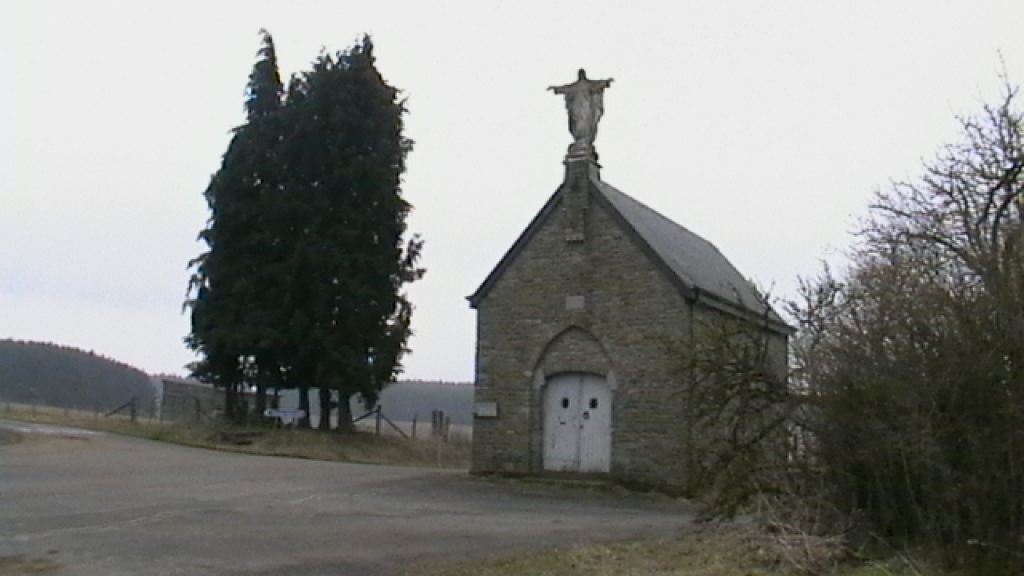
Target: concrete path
[{"x": 99, "y": 504}]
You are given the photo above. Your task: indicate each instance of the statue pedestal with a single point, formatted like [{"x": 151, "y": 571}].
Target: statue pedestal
[{"x": 582, "y": 165}]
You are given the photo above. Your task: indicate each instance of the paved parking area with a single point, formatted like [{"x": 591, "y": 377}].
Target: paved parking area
[{"x": 100, "y": 504}]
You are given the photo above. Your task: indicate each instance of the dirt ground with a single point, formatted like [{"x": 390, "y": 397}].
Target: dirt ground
[{"x": 90, "y": 504}]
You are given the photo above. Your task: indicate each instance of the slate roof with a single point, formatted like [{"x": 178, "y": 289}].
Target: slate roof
[
  {"x": 693, "y": 263},
  {"x": 693, "y": 260}
]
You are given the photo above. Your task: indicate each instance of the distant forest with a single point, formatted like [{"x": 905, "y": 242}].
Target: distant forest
[
  {"x": 52, "y": 375},
  {"x": 408, "y": 399}
]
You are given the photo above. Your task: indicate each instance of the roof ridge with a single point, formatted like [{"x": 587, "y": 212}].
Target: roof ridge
[{"x": 695, "y": 265}]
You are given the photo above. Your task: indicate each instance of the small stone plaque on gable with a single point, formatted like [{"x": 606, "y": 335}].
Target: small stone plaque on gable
[
  {"x": 485, "y": 409},
  {"x": 576, "y": 302}
]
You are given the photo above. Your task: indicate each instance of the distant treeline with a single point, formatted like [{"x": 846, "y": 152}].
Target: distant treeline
[
  {"x": 404, "y": 400},
  {"x": 52, "y": 375}
]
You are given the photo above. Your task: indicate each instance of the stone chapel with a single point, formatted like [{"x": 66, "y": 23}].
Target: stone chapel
[{"x": 572, "y": 374}]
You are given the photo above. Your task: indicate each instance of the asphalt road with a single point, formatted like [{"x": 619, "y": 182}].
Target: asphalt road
[{"x": 99, "y": 504}]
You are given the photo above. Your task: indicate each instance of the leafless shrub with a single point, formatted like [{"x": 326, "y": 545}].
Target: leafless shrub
[
  {"x": 912, "y": 362},
  {"x": 901, "y": 420}
]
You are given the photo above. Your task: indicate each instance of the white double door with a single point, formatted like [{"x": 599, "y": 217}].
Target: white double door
[{"x": 577, "y": 423}]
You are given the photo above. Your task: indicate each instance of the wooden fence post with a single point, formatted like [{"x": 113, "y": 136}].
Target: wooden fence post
[
  {"x": 437, "y": 441},
  {"x": 439, "y": 423}
]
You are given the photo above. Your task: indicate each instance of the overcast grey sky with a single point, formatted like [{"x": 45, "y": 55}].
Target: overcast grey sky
[{"x": 763, "y": 126}]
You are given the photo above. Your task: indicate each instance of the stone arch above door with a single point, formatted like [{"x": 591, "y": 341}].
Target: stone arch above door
[{"x": 573, "y": 350}]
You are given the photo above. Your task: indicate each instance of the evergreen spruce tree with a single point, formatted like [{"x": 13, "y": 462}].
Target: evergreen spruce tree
[
  {"x": 302, "y": 283},
  {"x": 346, "y": 155},
  {"x": 233, "y": 303}
]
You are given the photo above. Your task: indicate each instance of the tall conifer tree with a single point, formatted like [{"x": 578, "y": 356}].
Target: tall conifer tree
[
  {"x": 233, "y": 327},
  {"x": 302, "y": 283},
  {"x": 346, "y": 156}
]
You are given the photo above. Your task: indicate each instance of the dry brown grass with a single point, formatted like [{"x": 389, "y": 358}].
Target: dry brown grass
[
  {"x": 62, "y": 417},
  {"x": 703, "y": 553},
  {"x": 21, "y": 564},
  {"x": 725, "y": 550},
  {"x": 360, "y": 447},
  {"x": 9, "y": 436},
  {"x": 364, "y": 447}
]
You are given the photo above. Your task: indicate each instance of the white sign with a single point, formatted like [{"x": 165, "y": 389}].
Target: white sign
[
  {"x": 278, "y": 413},
  {"x": 485, "y": 409}
]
